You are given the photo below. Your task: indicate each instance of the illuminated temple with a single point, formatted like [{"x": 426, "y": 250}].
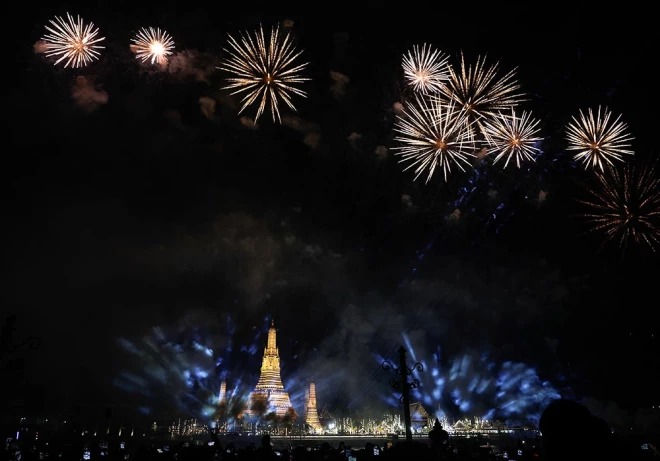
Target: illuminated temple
[{"x": 270, "y": 382}]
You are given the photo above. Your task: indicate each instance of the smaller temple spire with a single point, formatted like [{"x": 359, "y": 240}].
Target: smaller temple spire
[
  {"x": 306, "y": 403},
  {"x": 222, "y": 396},
  {"x": 311, "y": 414}
]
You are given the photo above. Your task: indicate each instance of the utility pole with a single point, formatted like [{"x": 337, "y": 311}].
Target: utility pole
[{"x": 403, "y": 386}]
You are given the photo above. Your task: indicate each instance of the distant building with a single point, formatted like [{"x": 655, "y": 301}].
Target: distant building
[
  {"x": 419, "y": 417},
  {"x": 187, "y": 428},
  {"x": 326, "y": 419}
]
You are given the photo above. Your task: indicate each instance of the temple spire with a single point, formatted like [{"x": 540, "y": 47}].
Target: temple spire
[
  {"x": 271, "y": 347},
  {"x": 270, "y": 380}
]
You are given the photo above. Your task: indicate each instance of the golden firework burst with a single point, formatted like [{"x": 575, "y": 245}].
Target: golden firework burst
[
  {"x": 73, "y": 41},
  {"x": 433, "y": 134},
  {"x": 425, "y": 69},
  {"x": 152, "y": 44},
  {"x": 626, "y": 206},
  {"x": 512, "y": 137},
  {"x": 480, "y": 92},
  {"x": 264, "y": 71},
  {"x": 597, "y": 140}
]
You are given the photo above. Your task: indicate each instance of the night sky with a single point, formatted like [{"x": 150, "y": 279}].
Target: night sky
[{"x": 139, "y": 198}]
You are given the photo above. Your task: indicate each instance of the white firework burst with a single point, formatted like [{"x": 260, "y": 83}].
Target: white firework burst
[
  {"x": 425, "y": 69},
  {"x": 434, "y": 134},
  {"x": 512, "y": 137},
  {"x": 73, "y": 41},
  {"x": 153, "y": 44},
  {"x": 597, "y": 141}
]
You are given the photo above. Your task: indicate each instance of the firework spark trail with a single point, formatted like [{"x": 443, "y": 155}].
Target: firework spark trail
[
  {"x": 626, "y": 207},
  {"x": 73, "y": 41},
  {"x": 512, "y": 136},
  {"x": 598, "y": 141},
  {"x": 475, "y": 385},
  {"x": 478, "y": 91},
  {"x": 150, "y": 43},
  {"x": 187, "y": 372},
  {"x": 264, "y": 71},
  {"x": 433, "y": 134},
  {"x": 425, "y": 69}
]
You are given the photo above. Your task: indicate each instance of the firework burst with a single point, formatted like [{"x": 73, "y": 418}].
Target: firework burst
[
  {"x": 433, "y": 134},
  {"x": 512, "y": 137},
  {"x": 73, "y": 41},
  {"x": 478, "y": 90},
  {"x": 153, "y": 44},
  {"x": 264, "y": 71},
  {"x": 425, "y": 69},
  {"x": 626, "y": 206},
  {"x": 597, "y": 141}
]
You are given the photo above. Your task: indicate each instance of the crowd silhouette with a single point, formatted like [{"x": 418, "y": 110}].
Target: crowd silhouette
[{"x": 568, "y": 432}]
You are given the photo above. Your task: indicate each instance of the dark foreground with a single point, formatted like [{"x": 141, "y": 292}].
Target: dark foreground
[{"x": 251, "y": 448}]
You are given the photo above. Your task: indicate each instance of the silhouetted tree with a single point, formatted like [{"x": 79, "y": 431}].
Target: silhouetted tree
[
  {"x": 259, "y": 405},
  {"x": 289, "y": 419},
  {"x": 292, "y": 415}
]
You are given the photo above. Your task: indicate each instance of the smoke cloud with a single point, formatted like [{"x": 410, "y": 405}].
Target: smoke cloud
[
  {"x": 616, "y": 417},
  {"x": 248, "y": 122},
  {"x": 312, "y": 131},
  {"x": 272, "y": 258},
  {"x": 408, "y": 204},
  {"x": 86, "y": 96},
  {"x": 339, "y": 84},
  {"x": 192, "y": 63},
  {"x": 313, "y": 140},
  {"x": 207, "y": 106},
  {"x": 40, "y": 47},
  {"x": 354, "y": 140},
  {"x": 381, "y": 152}
]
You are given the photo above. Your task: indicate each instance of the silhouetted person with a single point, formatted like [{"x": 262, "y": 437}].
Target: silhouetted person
[
  {"x": 265, "y": 451},
  {"x": 569, "y": 432},
  {"x": 605, "y": 446},
  {"x": 439, "y": 438}
]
